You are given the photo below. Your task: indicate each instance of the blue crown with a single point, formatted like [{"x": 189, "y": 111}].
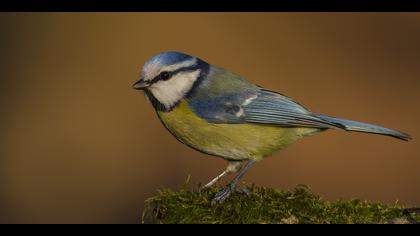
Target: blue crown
[{"x": 169, "y": 58}]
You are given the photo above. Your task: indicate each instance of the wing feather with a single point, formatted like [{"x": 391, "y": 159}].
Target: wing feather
[
  {"x": 226, "y": 98},
  {"x": 265, "y": 107},
  {"x": 276, "y": 109}
]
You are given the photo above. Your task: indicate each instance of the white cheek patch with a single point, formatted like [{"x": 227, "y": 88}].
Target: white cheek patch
[{"x": 171, "y": 91}]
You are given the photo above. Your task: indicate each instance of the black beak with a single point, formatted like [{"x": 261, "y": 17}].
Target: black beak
[{"x": 140, "y": 85}]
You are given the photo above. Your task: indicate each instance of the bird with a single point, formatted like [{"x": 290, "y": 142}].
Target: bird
[{"x": 217, "y": 112}]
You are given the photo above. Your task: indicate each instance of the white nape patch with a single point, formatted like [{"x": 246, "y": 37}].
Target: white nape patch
[
  {"x": 249, "y": 100},
  {"x": 151, "y": 70},
  {"x": 171, "y": 91}
]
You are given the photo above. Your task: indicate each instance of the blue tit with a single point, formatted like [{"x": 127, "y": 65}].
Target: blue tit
[{"x": 217, "y": 112}]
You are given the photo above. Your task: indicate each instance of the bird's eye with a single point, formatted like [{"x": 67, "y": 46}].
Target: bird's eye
[{"x": 165, "y": 75}]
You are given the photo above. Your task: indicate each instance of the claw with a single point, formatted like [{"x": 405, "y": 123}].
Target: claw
[
  {"x": 228, "y": 190},
  {"x": 222, "y": 195}
]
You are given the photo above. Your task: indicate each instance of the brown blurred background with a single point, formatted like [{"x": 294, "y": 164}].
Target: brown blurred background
[{"x": 79, "y": 145}]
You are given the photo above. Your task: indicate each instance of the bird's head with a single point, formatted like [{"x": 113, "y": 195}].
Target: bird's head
[{"x": 168, "y": 77}]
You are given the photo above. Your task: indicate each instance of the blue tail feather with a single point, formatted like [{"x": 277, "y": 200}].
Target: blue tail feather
[{"x": 365, "y": 127}]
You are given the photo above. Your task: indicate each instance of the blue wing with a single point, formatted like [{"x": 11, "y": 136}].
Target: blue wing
[
  {"x": 252, "y": 104},
  {"x": 226, "y": 98},
  {"x": 272, "y": 108}
]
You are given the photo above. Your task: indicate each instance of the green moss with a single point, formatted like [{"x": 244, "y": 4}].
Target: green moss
[{"x": 266, "y": 205}]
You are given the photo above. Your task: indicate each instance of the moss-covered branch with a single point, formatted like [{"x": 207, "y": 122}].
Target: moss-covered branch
[{"x": 261, "y": 205}]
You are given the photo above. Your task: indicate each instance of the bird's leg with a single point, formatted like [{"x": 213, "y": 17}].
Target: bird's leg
[
  {"x": 215, "y": 180},
  {"x": 228, "y": 190},
  {"x": 233, "y": 167}
]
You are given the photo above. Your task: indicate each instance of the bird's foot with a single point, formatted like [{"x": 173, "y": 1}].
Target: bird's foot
[{"x": 223, "y": 195}]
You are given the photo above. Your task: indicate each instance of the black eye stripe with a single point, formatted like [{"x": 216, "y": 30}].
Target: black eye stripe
[{"x": 166, "y": 75}]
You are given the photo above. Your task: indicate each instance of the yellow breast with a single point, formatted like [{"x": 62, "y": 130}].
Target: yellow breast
[{"x": 230, "y": 141}]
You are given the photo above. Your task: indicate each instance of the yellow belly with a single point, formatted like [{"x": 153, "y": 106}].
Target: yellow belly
[{"x": 231, "y": 141}]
